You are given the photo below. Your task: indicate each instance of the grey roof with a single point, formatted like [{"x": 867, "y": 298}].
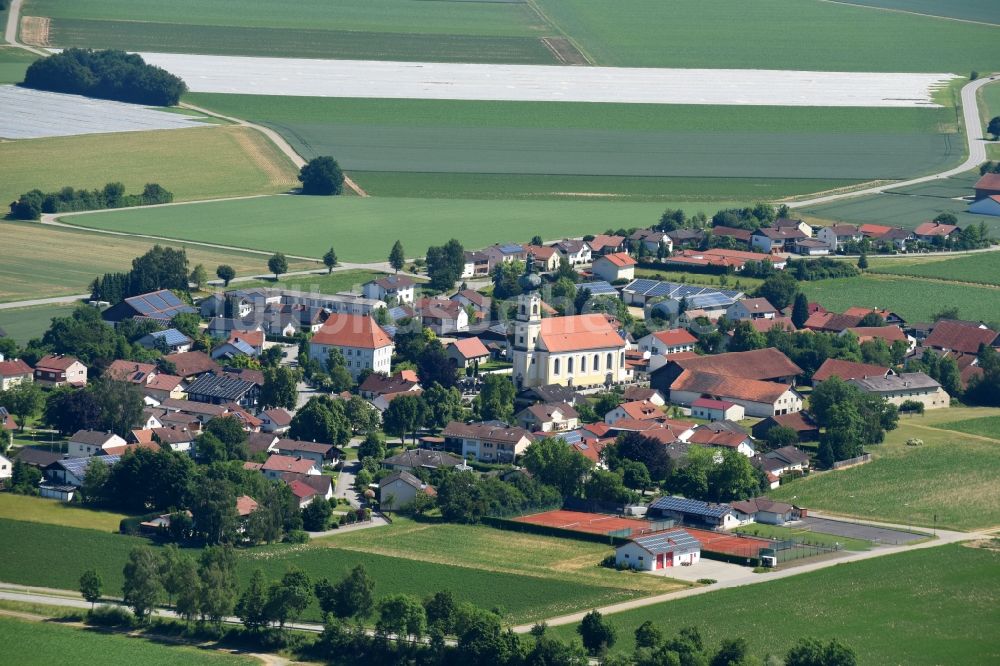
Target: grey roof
[
  {"x": 171, "y": 337},
  {"x": 423, "y": 458},
  {"x": 901, "y": 382},
  {"x": 671, "y": 541},
  {"x": 241, "y": 346},
  {"x": 224, "y": 386},
  {"x": 697, "y": 297},
  {"x": 78, "y": 466},
  {"x": 36, "y": 457},
  {"x": 690, "y": 506},
  {"x": 598, "y": 288},
  {"x": 405, "y": 477},
  {"x": 788, "y": 454},
  {"x": 94, "y": 437}
]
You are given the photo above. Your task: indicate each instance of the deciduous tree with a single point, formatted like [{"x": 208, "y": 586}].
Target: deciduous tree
[
  {"x": 322, "y": 176},
  {"x": 226, "y": 273}
]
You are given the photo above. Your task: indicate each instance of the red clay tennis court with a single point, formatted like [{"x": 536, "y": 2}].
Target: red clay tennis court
[{"x": 600, "y": 523}]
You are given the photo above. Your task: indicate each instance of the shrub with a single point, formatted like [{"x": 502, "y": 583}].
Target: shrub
[
  {"x": 107, "y": 75},
  {"x": 31, "y": 205},
  {"x": 297, "y": 536},
  {"x": 110, "y": 616},
  {"x": 707, "y": 581}
]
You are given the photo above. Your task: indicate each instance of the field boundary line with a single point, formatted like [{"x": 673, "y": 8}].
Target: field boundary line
[
  {"x": 568, "y": 37},
  {"x": 893, "y": 10},
  {"x": 959, "y": 433}
]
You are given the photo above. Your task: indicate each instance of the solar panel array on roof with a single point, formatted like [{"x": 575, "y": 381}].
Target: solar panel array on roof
[
  {"x": 676, "y": 541},
  {"x": 162, "y": 305},
  {"x": 511, "y": 248},
  {"x": 571, "y": 437},
  {"x": 706, "y": 296},
  {"x": 694, "y": 507},
  {"x": 598, "y": 288},
  {"x": 78, "y": 466},
  {"x": 171, "y": 336}
]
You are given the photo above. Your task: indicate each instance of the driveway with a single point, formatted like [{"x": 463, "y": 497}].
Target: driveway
[
  {"x": 880, "y": 535},
  {"x": 720, "y": 571}
]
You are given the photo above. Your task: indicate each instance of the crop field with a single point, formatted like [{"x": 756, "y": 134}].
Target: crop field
[
  {"x": 74, "y": 258},
  {"x": 524, "y": 598},
  {"x": 951, "y": 476},
  {"x": 192, "y": 163},
  {"x": 23, "y": 324},
  {"x": 982, "y": 268},
  {"x": 52, "y": 512},
  {"x": 988, "y": 426},
  {"x": 828, "y": 36},
  {"x": 363, "y": 230},
  {"x": 989, "y": 97},
  {"x": 13, "y": 62},
  {"x": 49, "y": 643},
  {"x": 985, "y": 11},
  {"x": 388, "y": 30},
  {"x": 477, "y": 149},
  {"x": 912, "y": 298},
  {"x": 929, "y": 606}
]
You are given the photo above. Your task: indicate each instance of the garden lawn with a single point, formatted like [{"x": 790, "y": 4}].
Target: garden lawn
[
  {"x": 952, "y": 477},
  {"x": 982, "y": 268},
  {"x": 914, "y": 299},
  {"x": 929, "y": 606},
  {"x": 23, "y": 324},
  {"x": 196, "y": 163},
  {"x": 988, "y": 426},
  {"x": 364, "y": 229},
  {"x": 477, "y": 547},
  {"x": 524, "y": 598},
  {"x": 454, "y": 148},
  {"x": 52, "y": 512},
  {"x": 787, "y": 34},
  {"x": 42, "y": 261},
  {"x": 49, "y": 643}
]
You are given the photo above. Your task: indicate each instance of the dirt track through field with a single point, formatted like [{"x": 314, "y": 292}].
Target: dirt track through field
[{"x": 258, "y": 155}]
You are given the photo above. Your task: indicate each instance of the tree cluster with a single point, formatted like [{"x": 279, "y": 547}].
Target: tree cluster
[
  {"x": 821, "y": 268},
  {"x": 32, "y": 204},
  {"x": 750, "y": 218},
  {"x": 160, "y": 268},
  {"x": 105, "y": 74},
  {"x": 851, "y": 418},
  {"x": 104, "y": 405},
  {"x": 464, "y": 497},
  {"x": 445, "y": 264}
]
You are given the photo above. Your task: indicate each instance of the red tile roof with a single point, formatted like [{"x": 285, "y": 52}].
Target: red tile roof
[
  {"x": 15, "y": 368},
  {"x": 768, "y": 363},
  {"x": 288, "y": 464},
  {"x": 619, "y": 259},
  {"x": 709, "y": 437},
  {"x": 989, "y": 181},
  {"x": 764, "y": 325},
  {"x": 351, "y": 330},
  {"x": 934, "y": 229},
  {"x": 890, "y": 333},
  {"x": 959, "y": 336},
  {"x": 129, "y": 371},
  {"x": 835, "y": 367},
  {"x": 602, "y": 241},
  {"x": 708, "y": 403},
  {"x": 579, "y": 333},
  {"x": 641, "y": 410},
  {"x": 245, "y": 505},
  {"x": 278, "y": 416},
  {"x": 192, "y": 363},
  {"x": 252, "y": 338},
  {"x": 55, "y": 362},
  {"x": 675, "y": 337},
  {"x": 726, "y": 386},
  {"x": 471, "y": 348}
]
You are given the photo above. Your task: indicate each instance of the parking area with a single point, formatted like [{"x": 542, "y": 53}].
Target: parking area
[
  {"x": 879, "y": 535},
  {"x": 721, "y": 572}
]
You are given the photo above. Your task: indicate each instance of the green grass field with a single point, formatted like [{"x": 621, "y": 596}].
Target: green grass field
[
  {"x": 323, "y": 283},
  {"x": 952, "y": 476},
  {"x": 984, "y": 427},
  {"x": 23, "y": 324},
  {"x": 13, "y": 61},
  {"x": 930, "y": 606},
  {"x": 72, "y": 259},
  {"x": 52, "y": 512},
  {"x": 524, "y": 598},
  {"x": 787, "y": 34},
  {"x": 983, "y": 268},
  {"x": 363, "y": 230},
  {"x": 900, "y": 210},
  {"x": 197, "y": 163},
  {"x": 805, "y": 536},
  {"x": 488, "y": 149},
  {"x": 914, "y": 299},
  {"x": 732, "y": 282},
  {"x": 989, "y": 100},
  {"x": 47, "y": 643},
  {"x": 966, "y": 10}
]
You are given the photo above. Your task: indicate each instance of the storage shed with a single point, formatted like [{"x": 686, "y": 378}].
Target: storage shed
[{"x": 672, "y": 548}]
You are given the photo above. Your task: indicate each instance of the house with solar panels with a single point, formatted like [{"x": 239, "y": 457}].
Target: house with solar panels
[
  {"x": 160, "y": 306},
  {"x": 170, "y": 340},
  {"x": 695, "y": 513},
  {"x": 667, "y": 296},
  {"x": 672, "y": 548}
]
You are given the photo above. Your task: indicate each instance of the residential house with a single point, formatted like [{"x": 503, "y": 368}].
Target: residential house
[
  {"x": 741, "y": 237},
  {"x": 721, "y": 258},
  {"x": 638, "y": 411},
  {"x": 190, "y": 410},
  {"x": 261, "y": 442},
  {"x": 221, "y": 328},
  {"x": 147, "y": 377},
  {"x": 770, "y": 239},
  {"x": 190, "y": 365},
  {"x": 548, "y": 418},
  {"x": 838, "y": 234},
  {"x": 811, "y": 247},
  {"x": 307, "y": 487},
  {"x": 783, "y": 460},
  {"x": 664, "y": 343},
  {"x": 276, "y": 465},
  {"x": 672, "y": 548},
  {"x": 91, "y": 443},
  {"x": 223, "y": 389},
  {"x": 549, "y": 393},
  {"x": 717, "y": 410},
  {"x": 490, "y": 441},
  {"x": 71, "y": 471},
  {"x": 889, "y": 334},
  {"x": 411, "y": 460},
  {"x": 602, "y": 244},
  {"x": 14, "y": 372},
  {"x": 898, "y": 237},
  {"x": 7, "y": 428},
  {"x": 470, "y": 298},
  {"x": 35, "y": 457},
  {"x": 161, "y": 306},
  {"x": 789, "y": 223},
  {"x": 505, "y": 253},
  {"x": 546, "y": 259},
  {"x": 6, "y": 467},
  {"x": 249, "y": 343},
  {"x": 906, "y": 387},
  {"x": 467, "y": 352},
  {"x": 576, "y": 252},
  {"x": 639, "y": 393},
  {"x": 929, "y": 231},
  {"x": 175, "y": 438},
  {"x": 652, "y": 240},
  {"x": 751, "y": 308},
  {"x": 616, "y": 266},
  {"x": 765, "y": 511},
  {"x": 275, "y": 420},
  {"x": 364, "y": 344},
  {"x": 398, "y": 288},
  {"x": 60, "y": 370},
  {"x": 686, "y": 237},
  {"x": 477, "y": 264},
  {"x": 377, "y": 384},
  {"x": 320, "y": 454},
  {"x": 400, "y": 489},
  {"x": 169, "y": 341},
  {"x": 694, "y": 512},
  {"x": 442, "y": 315},
  {"x": 581, "y": 350},
  {"x": 724, "y": 439},
  {"x": 888, "y": 316}
]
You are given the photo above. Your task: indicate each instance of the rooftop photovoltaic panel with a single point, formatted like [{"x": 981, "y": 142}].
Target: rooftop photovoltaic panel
[
  {"x": 641, "y": 285},
  {"x": 598, "y": 288},
  {"x": 171, "y": 336},
  {"x": 697, "y": 507},
  {"x": 672, "y": 541}
]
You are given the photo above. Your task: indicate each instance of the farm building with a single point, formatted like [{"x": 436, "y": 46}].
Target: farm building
[
  {"x": 987, "y": 186},
  {"x": 162, "y": 305},
  {"x": 672, "y": 548},
  {"x": 846, "y": 370},
  {"x": 906, "y": 387},
  {"x": 988, "y": 206},
  {"x": 800, "y": 422}
]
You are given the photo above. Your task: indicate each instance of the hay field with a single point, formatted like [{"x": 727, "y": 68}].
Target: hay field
[
  {"x": 192, "y": 163},
  {"x": 43, "y": 261}
]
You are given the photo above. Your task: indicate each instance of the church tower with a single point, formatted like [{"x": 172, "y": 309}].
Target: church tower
[{"x": 527, "y": 327}]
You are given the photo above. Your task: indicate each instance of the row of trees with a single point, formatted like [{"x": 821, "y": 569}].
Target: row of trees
[{"x": 32, "y": 204}]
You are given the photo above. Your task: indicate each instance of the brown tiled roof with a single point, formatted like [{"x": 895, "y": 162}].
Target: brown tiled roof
[
  {"x": 380, "y": 384},
  {"x": 278, "y": 416},
  {"x": 890, "y": 333},
  {"x": 602, "y": 241},
  {"x": 727, "y": 386},
  {"x": 129, "y": 371},
  {"x": 540, "y": 251},
  {"x": 989, "y": 181},
  {"x": 732, "y": 232},
  {"x": 641, "y": 410},
  {"x": 709, "y": 437},
  {"x": 15, "y": 368},
  {"x": 758, "y": 305},
  {"x": 934, "y": 229},
  {"x": 634, "y": 393},
  {"x": 768, "y": 363},
  {"x": 192, "y": 363},
  {"x": 393, "y": 282},
  {"x": 474, "y": 297},
  {"x": 163, "y": 383},
  {"x": 874, "y": 230},
  {"x": 764, "y": 325},
  {"x": 173, "y": 435},
  {"x": 959, "y": 336},
  {"x": 279, "y": 463},
  {"x": 471, "y": 348},
  {"x": 578, "y": 333},
  {"x": 545, "y": 412},
  {"x": 245, "y": 505},
  {"x": 835, "y": 367},
  {"x": 351, "y": 330},
  {"x": 258, "y": 442},
  {"x": 490, "y": 432},
  {"x": 309, "y": 447},
  {"x": 55, "y": 362},
  {"x": 252, "y": 338}
]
